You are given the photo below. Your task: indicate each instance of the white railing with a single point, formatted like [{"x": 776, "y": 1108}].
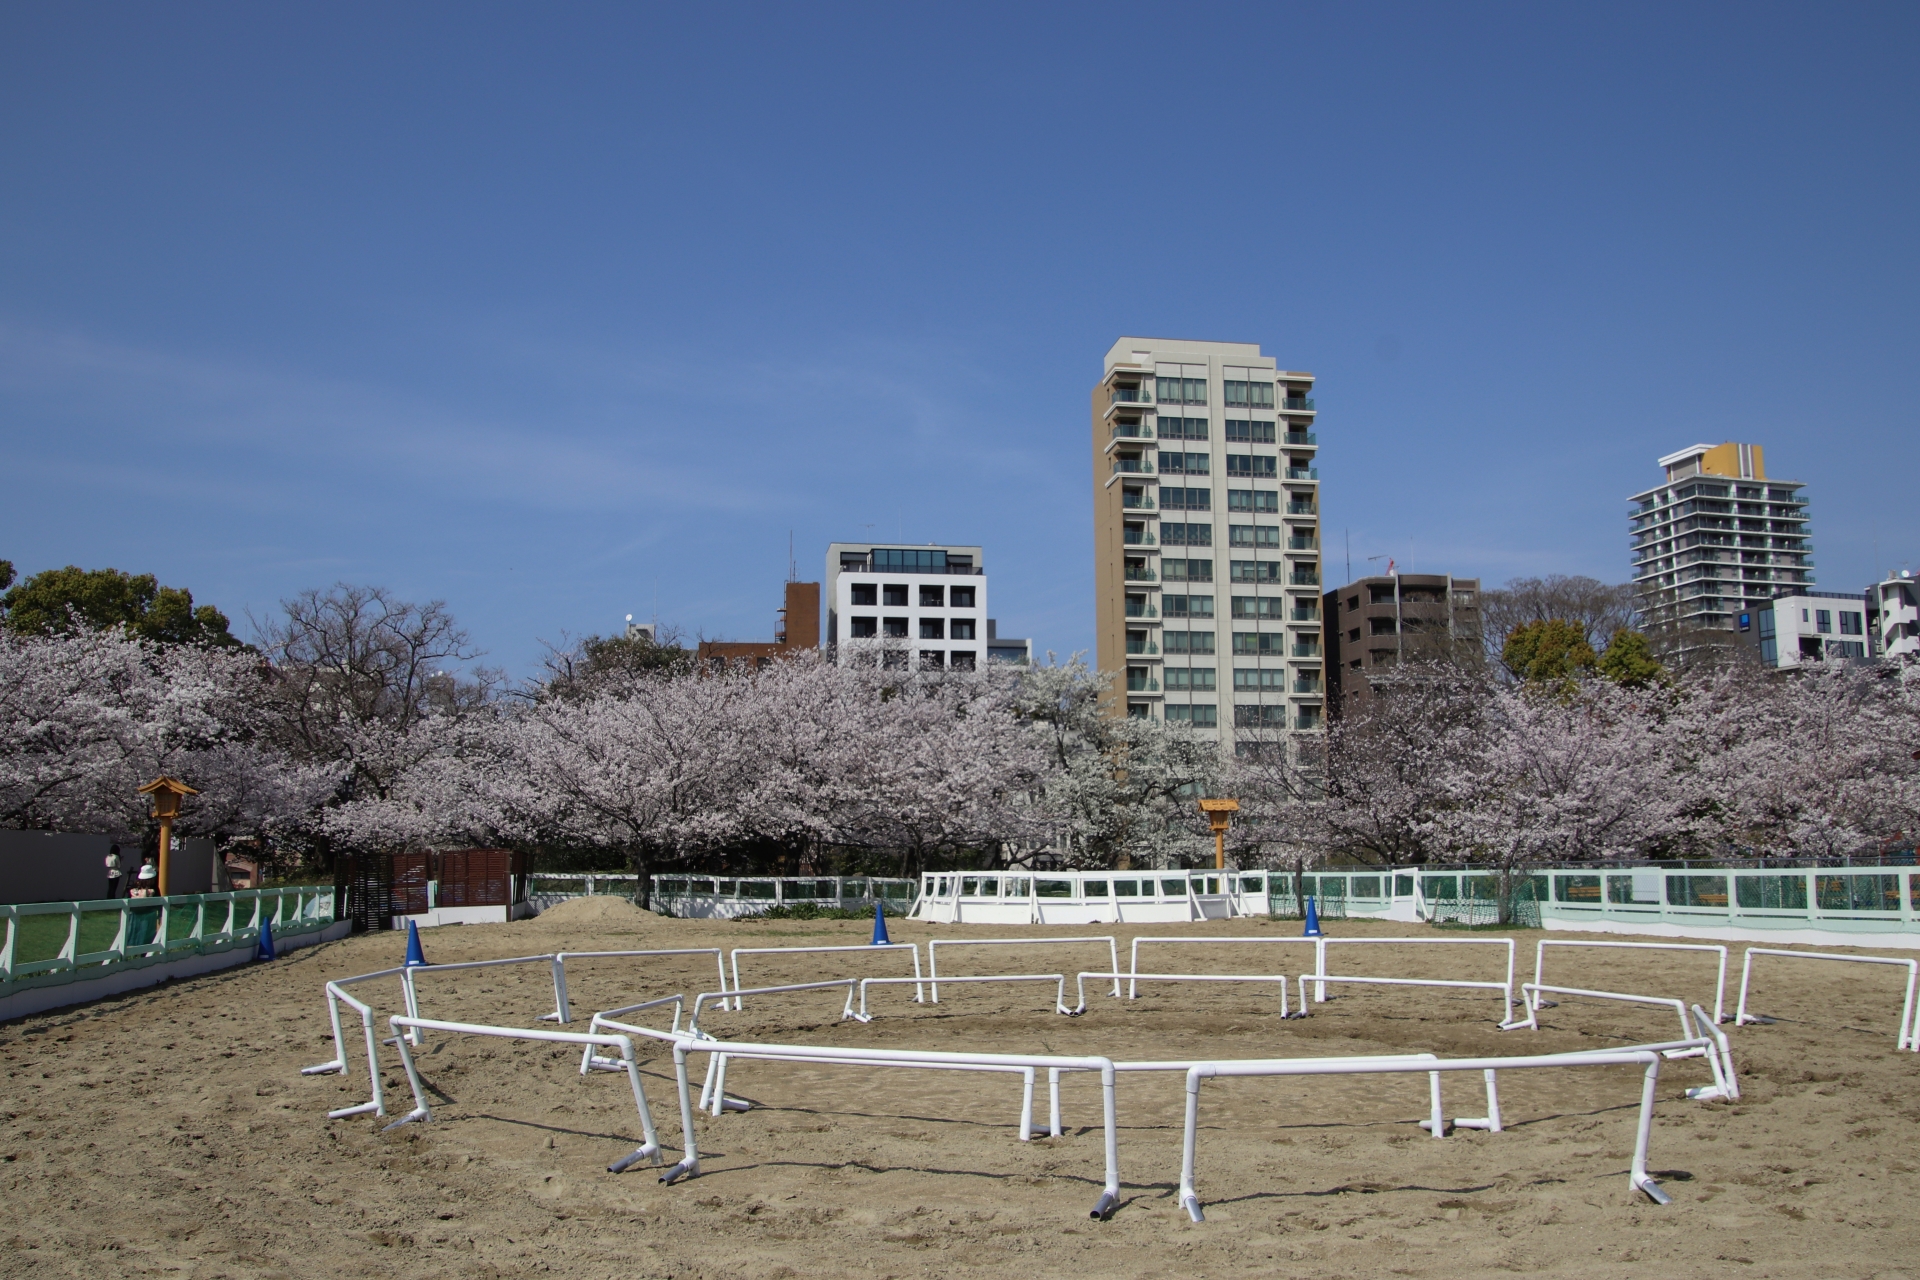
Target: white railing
[{"x": 141, "y": 931}]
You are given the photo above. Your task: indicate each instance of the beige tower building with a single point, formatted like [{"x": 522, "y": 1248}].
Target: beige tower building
[{"x": 1206, "y": 508}]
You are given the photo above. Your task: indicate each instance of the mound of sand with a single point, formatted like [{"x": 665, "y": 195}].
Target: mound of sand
[{"x": 596, "y": 912}]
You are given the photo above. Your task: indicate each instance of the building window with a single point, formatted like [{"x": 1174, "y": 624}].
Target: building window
[
  {"x": 1242, "y": 466},
  {"x": 1253, "y": 500},
  {"x": 1823, "y": 621},
  {"x": 962, "y": 598},
  {"x": 1183, "y": 428},
  {"x": 1271, "y": 607},
  {"x": 894, "y": 660},
  {"x": 1274, "y": 717},
  {"x": 962, "y": 629},
  {"x": 1139, "y": 711},
  {"x": 1201, "y": 678},
  {"x": 1259, "y": 642},
  {"x": 1247, "y": 535},
  {"x": 932, "y": 659},
  {"x": 933, "y": 629},
  {"x": 1249, "y": 680},
  {"x": 1852, "y": 624},
  {"x": 933, "y": 597},
  {"x": 910, "y": 560},
  {"x": 1267, "y": 571},
  {"x": 1187, "y": 570},
  {"x": 1189, "y": 641},
  {"x": 863, "y": 628},
  {"x": 896, "y": 595},
  {"x": 1186, "y": 499},
  {"x": 963, "y": 659},
  {"x": 896, "y": 628},
  {"x": 1198, "y": 717},
  {"x": 1186, "y": 535},
  {"x": 865, "y": 593},
  {"x": 1188, "y": 606},
  {"x": 1180, "y": 390},
  {"x": 1192, "y": 464},
  {"x": 1248, "y": 395},
  {"x": 1241, "y": 431}
]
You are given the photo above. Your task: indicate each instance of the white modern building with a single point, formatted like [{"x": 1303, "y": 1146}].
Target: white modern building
[
  {"x": 913, "y": 608},
  {"x": 1809, "y": 626},
  {"x": 1207, "y": 538},
  {"x": 1717, "y": 539},
  {"x": 1896, "y": 622}
]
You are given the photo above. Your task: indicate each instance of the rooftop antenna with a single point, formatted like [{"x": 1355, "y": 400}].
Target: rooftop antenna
[
  {"x": 793, "y": 566},
  {"x": 1348, "y": 535}
]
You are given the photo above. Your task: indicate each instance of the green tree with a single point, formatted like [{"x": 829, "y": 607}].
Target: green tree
[
  {"x": 51, "y": 602},
  {"x": 1549, "y": 651},
  {"x": 1629, "y": 661}
]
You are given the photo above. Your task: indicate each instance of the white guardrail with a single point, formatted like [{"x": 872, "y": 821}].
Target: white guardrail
[{"x": 94, "y": 939}]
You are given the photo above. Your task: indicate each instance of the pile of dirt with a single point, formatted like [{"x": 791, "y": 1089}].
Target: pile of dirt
[{"x": 599, "y": 911}]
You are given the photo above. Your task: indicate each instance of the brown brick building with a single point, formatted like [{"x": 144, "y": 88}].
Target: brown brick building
[
  {"x": 1373, "y": 623},
  {"x": 799, "y": 629}
]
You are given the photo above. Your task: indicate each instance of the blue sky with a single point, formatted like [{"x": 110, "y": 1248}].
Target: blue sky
[{"x": 564, "y": 312}]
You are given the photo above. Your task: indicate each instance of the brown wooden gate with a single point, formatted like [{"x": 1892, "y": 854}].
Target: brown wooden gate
[{"x": 476, "y": 877}]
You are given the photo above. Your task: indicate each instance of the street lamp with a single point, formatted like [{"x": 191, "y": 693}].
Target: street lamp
[
  {"x": 167, "y": 794},
  {"x": 1217, "y": 812}
]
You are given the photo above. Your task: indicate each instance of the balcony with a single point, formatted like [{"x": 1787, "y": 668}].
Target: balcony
[
  {"x": 1297, "y": 405},
  {"x": 1306, "y": 651},
  {"x": 1141, "y": 611},
  {"x": 1308, "y": 578},
  {"x": 1303, "y": 544},
  {"x": 1304, "y": 615},
  {"x": 1132, "y": 539},
  {"x": 1300, "y": 509},
  {"x": 1138, "y": 681},
  {"x": 1303, "y": 473},
  {"x": 1131, "y": 501},
  {"x": 1131, "y": 395},
  {"x": 1141, "y": 648},
  {"x": 1132, "y": 467},
  {"x": 1297, "y": 438},
  {"x": 1142, "y": 575}
]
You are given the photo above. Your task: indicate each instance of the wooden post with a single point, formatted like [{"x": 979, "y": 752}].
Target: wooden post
[
  {"x": 1218, "y": 815},
  {"x": 167, "y": 794}
]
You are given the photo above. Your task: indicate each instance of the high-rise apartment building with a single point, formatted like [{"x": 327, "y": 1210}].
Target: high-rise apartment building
[
  {"x": 1717, "y": 539},
  {"x": 1207, "y": 536},
  {"x": 914, "y": 608},
  {"x": 1382, "y": 622},
  {"x": 1895, "y": 609}
]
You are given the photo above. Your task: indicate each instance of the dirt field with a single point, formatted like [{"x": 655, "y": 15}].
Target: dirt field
[{"x": 170, "y": 1131}]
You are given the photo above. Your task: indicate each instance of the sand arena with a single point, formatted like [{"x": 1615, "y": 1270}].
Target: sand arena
[{"x": 170, "y": 1132}]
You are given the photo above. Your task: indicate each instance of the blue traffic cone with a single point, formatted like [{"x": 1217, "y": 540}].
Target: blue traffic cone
[
  {"x": 880, "y": 938},
  {"x": 414, "y": 954},
  {"x": 266, "y": 941},
  {"x": 1313, "y": 920}
]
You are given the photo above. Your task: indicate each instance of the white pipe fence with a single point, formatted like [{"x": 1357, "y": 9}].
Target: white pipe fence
[
  {"x": 1720, "y": 981},
  {"x": 1059, "y": 1003},
  {"x": 699, "y": 1001},
  {"x": 1638, "y": 1177},
  {"x": 404, "y": 1027},
  {"x": 1133, "y": 978},
  {"x": 1700, "y": 1036},
  {"x": 1321, "y": 980},
  {"x": 919, "y": 994},
  {"x": 933, "y": 959},
  {"x": 1909, "y": 1032},
  {"x": 562, "y": 1010}
]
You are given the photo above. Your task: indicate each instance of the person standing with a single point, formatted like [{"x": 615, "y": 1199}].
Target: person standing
[{"x": 113, "y": 871}]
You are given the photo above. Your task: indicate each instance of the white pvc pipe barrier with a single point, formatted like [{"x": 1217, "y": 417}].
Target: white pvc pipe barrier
[
  {"x": 1530, "y": 998},
  {"x": 1700, "y": 1036},
  {"x": 1318, "y": 945},
  {"x": 1134, "y": 978},
  {"x": 605, "y": 1018},
  {"x": 684, "y": 1045},
  {"x": 562, "y": 1009},
  {"x": 1720, "y": 981},
  {"x": 650, "y": 1148},
  {"x": 1909, "y": 1033},
  {"x": 336, "y": 993},
  {"x": 933, "y": 959},
  {"x": 919, "y": 995},
  {"x": 1059, "y": 1002},
  {"x": 699, "y": 1001},
  {"x": 1508, "y": 1024},
  {"x": 1507, "y": 1020},
  {"x": 1637, "y": 1176}
]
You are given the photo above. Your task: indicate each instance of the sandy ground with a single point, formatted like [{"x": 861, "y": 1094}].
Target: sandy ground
[{"x": 170, "y": 1131}]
